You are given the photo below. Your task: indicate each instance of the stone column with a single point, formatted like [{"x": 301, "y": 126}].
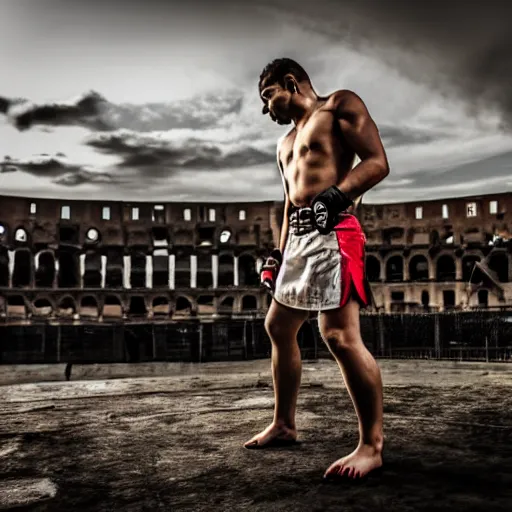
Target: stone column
[
  {"x": 57, "y": 270},
  {"x": 12, "y": 256},
  {"x": 406, "y": 269},
  {"x": 235, "y": 270},
  {"x": 431, "y": 269},
  {"x": 127, "y": 268},
  {"x": 458, "y": 269},
  {"x": 33, "y": 270},
  {"x": 382, "y": 275},
  {"x": 103, "y": 270},
  {"x": 172, "y": 270},
  {"x": 215, "y": 270},
  {"x": 149, "y": 271},
  {"x": 193, "y": 271},
  {"x": 82, "y": 269}
]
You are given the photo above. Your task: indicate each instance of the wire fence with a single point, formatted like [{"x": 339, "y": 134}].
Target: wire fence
[{"x": 463, "y": 336}]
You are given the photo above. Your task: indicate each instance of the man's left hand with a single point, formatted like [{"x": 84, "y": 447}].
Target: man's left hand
[{"x": 327, "y": 206}]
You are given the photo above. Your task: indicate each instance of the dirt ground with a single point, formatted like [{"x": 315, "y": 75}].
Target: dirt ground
[{"x": 174, "y": 443}]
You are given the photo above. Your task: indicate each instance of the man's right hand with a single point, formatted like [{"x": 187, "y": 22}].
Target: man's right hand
[{"x": 270, "y": 269}]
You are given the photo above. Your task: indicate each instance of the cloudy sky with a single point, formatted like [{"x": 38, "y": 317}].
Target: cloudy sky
[{"x": 155, "y": 100}]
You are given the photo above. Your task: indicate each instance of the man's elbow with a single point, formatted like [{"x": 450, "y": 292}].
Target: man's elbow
[{"x": 381, "y": 168}]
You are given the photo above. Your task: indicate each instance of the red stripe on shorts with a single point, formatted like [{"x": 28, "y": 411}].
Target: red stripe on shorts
[{"x": 351, "y": 242}]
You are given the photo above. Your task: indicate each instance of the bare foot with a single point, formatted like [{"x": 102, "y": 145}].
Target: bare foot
[
  {"x": 360, "y": 463},
  {"x": 273, "y": 435}
]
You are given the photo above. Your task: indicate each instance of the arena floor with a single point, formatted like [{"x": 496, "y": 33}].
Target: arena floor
[{"x": 174, "y": 443}]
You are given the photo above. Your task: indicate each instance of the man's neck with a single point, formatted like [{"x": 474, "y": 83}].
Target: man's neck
[{"x": 307, "y": 105}]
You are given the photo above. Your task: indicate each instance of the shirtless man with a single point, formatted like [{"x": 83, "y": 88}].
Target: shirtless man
[{"x": 319, "y": 265}]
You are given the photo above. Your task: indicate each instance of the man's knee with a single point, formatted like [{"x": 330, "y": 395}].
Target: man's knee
[
  {"x": 340, "y": 340},
  {"x": 276, "y": 328}
]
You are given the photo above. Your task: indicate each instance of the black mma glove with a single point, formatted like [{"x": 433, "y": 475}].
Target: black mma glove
[
  {"x": 270, "y": 269},
  {"x": 327, "y": 206}
]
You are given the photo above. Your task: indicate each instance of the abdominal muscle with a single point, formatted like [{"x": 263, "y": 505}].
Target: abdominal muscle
[{"x": 305, "y": 181}]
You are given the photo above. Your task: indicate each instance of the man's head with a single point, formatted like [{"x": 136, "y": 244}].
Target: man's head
[{"x": 280, "y": 80}]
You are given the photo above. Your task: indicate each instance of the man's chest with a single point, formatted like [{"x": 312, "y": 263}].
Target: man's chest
[{"x": 316, "y": 135}]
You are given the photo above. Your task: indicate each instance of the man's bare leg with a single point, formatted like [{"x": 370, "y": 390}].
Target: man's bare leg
[
  {"x": 282, "y": 325},
  {"x": 340, "y": 329}
]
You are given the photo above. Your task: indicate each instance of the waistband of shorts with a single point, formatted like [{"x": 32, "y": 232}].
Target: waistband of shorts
[{"x": 300, "y": 220}]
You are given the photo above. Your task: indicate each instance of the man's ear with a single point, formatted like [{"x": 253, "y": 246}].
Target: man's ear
[{"x": 291, "y": 84}]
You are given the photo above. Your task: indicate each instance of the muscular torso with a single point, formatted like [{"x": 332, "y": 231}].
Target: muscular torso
[{"x": 314, "y": 156}]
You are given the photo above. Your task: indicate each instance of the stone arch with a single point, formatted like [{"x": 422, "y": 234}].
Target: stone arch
[
  {"x": 183, "y": 305},
  {"x": 161, "y": 306},
  {"x": 182, "y": 270},
  {"x": 206, "y": 304},
  {"x": 373, "y": 268},
  {"x": 395, "y": 268},
  {"x": 499, "y": 263},
  {"x": 249, "y": 303},
  {"x": 45, "y": 272},
  {"x": 204, "y": 273},
  {"x": 138, "y": 269},
  {"x": 137, "y": 306},
  {"x": 43, "y": 306},
  {"x": 16, "y": 305},
  {"x": 21, "y": 236},
  {"x": 4, "y": 232},
  {"x": 4, "y": 267},
  {"x": 227, "y": 304},
  {"x": 160, "y": 259},
  {"x": 425, "y": 299},
  {"x": 468, "y": 264},
  {"x": 92, "y": 270},
  {"x": 69, "y": 269},
  {"x": 226, "y": 270},
  {"x": 66, "y": 306},
  {"x": 89, "y": 306},
  {"x": 418, "y": 268},
  {"x": 445, "y": 267},
  {"x": 114, "y": 267},
  {"x": 483, "y": 297},
  {"x": 247, "y": 275},
  {"x": 113, "y": 306},
  {"x": 22, "y": 273}
]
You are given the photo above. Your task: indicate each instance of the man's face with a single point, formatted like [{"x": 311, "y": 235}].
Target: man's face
[{"x": 277, "y": 102}]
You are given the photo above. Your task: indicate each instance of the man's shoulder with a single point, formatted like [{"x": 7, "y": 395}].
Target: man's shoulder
[{"x": 343, "y": 98}]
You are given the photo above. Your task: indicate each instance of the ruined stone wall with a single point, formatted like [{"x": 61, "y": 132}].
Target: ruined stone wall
[{"x": 69, "y": 260}]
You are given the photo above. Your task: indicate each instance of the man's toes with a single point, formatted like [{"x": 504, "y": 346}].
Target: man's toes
[{"x": 332, "y": 470}]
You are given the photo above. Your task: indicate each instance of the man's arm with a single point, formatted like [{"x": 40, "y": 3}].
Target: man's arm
[
  {"x": 284, "y": 226},
  {"x": 362, "y": 135}
]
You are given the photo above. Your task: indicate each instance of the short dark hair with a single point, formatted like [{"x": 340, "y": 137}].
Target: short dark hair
[{"x": 275, "y": 71}]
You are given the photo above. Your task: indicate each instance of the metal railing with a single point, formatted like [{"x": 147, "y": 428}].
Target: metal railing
[{"x": 463, "y": 336}]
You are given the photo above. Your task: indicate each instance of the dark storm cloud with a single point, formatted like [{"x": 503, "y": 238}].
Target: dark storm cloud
[
  {"x": 86, "y": 110},
  {"x": 452, "y": 45},
  {"x": 93, "y": 111},
  {"x": 55, "y": 168},
  {"x": 501, "y": 166},
  {"x": 461, "y": 44},
  {"x": 82, "y": 177},
  {"x": 160, "y": 153}
]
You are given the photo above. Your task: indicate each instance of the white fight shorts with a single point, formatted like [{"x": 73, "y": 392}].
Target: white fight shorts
[{"x": 320, "y": 272}]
